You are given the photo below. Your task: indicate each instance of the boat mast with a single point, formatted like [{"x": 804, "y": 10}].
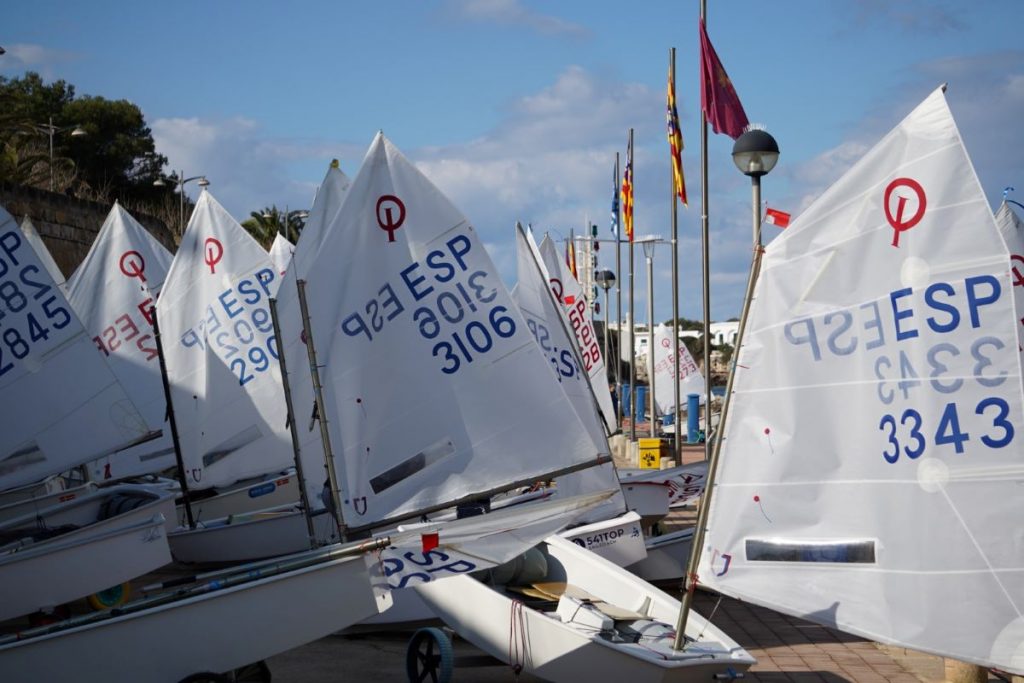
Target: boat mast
[
  {"x": 292, "y": 427},
  {"x": 314, "y": 371},
  {"x": 182, "y": 481},
  {"x": 690, "y": 579}
]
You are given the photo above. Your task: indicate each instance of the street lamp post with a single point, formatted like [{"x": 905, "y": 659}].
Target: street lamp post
[
  {"x": 50, "y": 130},
  {"x": 180, "y": 181},
  {"x": 606, "y": 279},
  {"x": 755, "y": 154},
  {"x": 648, "y": 246}
]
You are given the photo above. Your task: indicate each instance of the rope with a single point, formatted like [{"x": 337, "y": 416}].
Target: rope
[{"x": 517, "y": 638}]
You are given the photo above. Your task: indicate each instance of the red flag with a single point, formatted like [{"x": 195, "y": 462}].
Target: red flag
[
  {"x": 776, "y": 217},
  {"x": 430, "y": 541},
  {"x": 718, "y": 98}
]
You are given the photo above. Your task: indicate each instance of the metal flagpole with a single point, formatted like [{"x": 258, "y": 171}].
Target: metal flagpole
[
  {"x": 675, "y": 287},
  {"x": 706, "y": 259},
  {"x": 292, "y": 427},
  {"x": 632, "y": 317},
  {"x": 618, "y": 304},
  {"x": 314, "y": 371},
  {"x": 182, "y": 481}
]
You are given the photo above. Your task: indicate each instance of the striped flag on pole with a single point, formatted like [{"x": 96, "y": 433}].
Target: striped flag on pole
[
  {"x": 675, "y": 137},
  {"x": 615, "y": 199},
  {"x": 570, "y": 255},
  {"x": 627, "y": 195}
]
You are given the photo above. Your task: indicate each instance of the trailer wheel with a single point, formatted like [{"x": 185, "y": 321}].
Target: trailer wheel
[
  {"x": 429, "y": 657},
  {"x": 115, "y": 596},
  {"x": 206, "y": 677}
]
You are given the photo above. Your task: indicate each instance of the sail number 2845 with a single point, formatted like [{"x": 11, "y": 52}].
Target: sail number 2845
[{"x": 910, "y": 434}]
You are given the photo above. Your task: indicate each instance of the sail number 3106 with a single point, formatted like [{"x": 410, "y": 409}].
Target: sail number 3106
[{"x": 909, "y": 435}]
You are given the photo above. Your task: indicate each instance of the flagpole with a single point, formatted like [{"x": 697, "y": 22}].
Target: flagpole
[
  {"x": 632, "y": 314},
  {"x": 706, "y": 263},
  {"x": 675, "y": 283},
  {"x": 618, "y": 305}
]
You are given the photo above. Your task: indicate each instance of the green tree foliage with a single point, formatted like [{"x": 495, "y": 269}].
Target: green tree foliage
[
  {"x": 265, "y": 224},
  {"x": 116, "y": 159}
]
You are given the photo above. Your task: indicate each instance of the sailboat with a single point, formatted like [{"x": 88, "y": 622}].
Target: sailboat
[
  {"x": 651, "y": 494},
  {"x": 51, "y": 424},
  {"x": 281, "y": 253},
  {"x": 114, "y": 291},
  {"x": 871, "y": 467},
  {"x": 226, "y": 387}
]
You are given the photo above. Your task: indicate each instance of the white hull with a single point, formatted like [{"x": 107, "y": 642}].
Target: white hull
[
  {"x": 45, "y": 487},
  {"x": 271, "y": 492},
  {"x": 213, "y": 632},
  {"x": 619, "y": 540},
  {"x": 250, "y": 536},
  {"x": 559, "y": 650},
  {"x": 92, "y": 558},
  {"x": 667, "y": 556},
  {"x": 647, "y": 499},
  {"x": 41, "y": 501}
]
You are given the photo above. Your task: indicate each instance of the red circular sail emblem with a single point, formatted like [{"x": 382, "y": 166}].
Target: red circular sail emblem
[
  {"x": 133, "y": 265},
  {"x": 898, "y": 220},
  {"x": 386, "y": 220},
  {"x": 213, "y": 252},
  {"x": 1018, "y": 277}
]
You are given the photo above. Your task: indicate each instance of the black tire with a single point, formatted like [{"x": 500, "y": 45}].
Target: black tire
[
  {"x": 205, "y": 677},
  {"x": 429, "y": 657}
]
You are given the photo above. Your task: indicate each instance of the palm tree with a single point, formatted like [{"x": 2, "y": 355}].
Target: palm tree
[{"x": 264, "y": 225}]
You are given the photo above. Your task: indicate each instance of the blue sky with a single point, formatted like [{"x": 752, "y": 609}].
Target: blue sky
[{"x": 516, "y": 108}]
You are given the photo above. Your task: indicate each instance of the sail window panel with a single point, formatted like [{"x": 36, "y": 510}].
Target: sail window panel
[{"x": 838, "y": 551}]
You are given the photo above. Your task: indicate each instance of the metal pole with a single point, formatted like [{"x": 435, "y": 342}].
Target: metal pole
[
  {"x": 649, "y": 252},
  {"x": 182, "y": 481},
  {"x": 697, "y": 544},
  {"x": 675, "y": 292},
  {"x": 632, "y": 316},
  {"x": 50, "y": 130},
  {"x": 705, "y": 240},
  {"x": 292, "y": 427},
  {"x": 181, "y": 203},
  {"x": 314, "y": 371},
  {"x": 618, "y": 307},
  {"x": 607, "y": 320}
]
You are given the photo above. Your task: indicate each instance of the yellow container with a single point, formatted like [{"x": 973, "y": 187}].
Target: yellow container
[{"x": 650, "y": 453}]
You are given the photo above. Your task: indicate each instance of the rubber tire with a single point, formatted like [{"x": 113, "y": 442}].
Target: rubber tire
[
  {"x": 111, "y": 598},
  {"x": 206, "y": 677},
  {"x": 421, "y": 661}
]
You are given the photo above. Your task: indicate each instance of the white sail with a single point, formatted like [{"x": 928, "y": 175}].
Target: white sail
[
  {"x": 1012, "y": 229},
  {"x": 45, "y": 257},
  {"x": 475, "y": 543},
  {"x": 329, "y": 198},
  {"x": 114, "y": 291},
  {"x": 435, "y": 389},
  {"x": 62, "y": 404},
  {"x": 281, "y": 253},
  {"x": 546, "y": 320},
  {"x": 221, "y": 352},
  {"x": 570, "y": 293},
  {"x": 667, "y": 368},
  {"x": 872, "y": 468}
]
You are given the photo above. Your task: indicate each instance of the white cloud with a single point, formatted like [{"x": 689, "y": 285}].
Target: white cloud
[
  {"x": 28, "y": 57},
  {"x": 514, "y": 13},
  {"x": 246, "y": 170}
]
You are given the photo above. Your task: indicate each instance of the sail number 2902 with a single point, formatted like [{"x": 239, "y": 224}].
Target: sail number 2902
[{"x": 910, "y": 435}]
